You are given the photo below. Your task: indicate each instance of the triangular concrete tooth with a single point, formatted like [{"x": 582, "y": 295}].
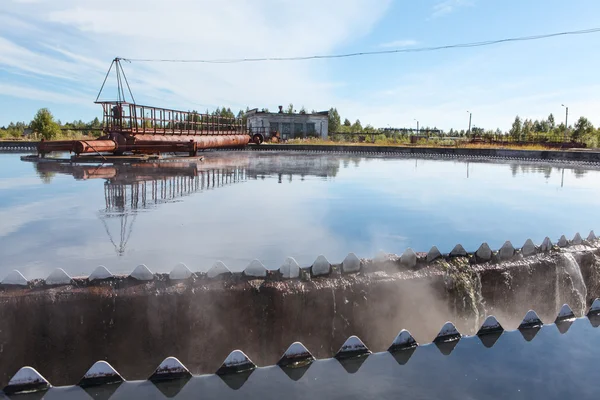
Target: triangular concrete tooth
[
  {"x": 352, "y": 347},
  {"x": 15, "y": 278},
  {"x": 531, "y": 320},
  {"x": 458, "y": 251},
  {"x": 171, "y": 368},
  {"x": 58, "y": 277},
  {"x": 577, "y": 239},
  {"x": 256, "y": 269},
  {"x": 448, "y": 333},
  {"x": 351, "y": 263},
  {"x": 321, "y": 266},
  {"x": 490, "y": 325},
  {"x": 100, "y": 273},
  {"x": 507, "y": 251},
  {"x": 565, "y": 313},
  {"x": 290, "y": 268},
  {"x": 546, "y": 245},
  {"x": 409, "y": 258},
  {"x": 236, "y": 361},
  {"x": 528, "y": 248},
  {"x": 403, "y": 341},
  {"x": 433, "y": 254},
  {"x": 180, "y": 272},
  {"x": 595, "y": 308},
  {"x": 484, "y": 253},
  {"x": 591, "y": 237},
  {"x": 563, "y": 242},
  {"x": 26, "y": 379},
  {"x": 218, "y": 268},
  {"x": 142, "y": 273},
  {"x": 101, "y": 373},
  {"x": 296, "y": 355}
]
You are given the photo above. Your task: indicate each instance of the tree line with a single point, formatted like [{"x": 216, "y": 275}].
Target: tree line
[{"x": 44, "y": 125}]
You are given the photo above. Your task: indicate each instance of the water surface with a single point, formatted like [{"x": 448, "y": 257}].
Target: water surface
[{"x": 238, "y": 206}]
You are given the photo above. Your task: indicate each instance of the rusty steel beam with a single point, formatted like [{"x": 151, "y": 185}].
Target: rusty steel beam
[
  {"x": 145, "y": 144},
  {"x": 94, "y": 146},
  {"x": 203, "y": 142}
]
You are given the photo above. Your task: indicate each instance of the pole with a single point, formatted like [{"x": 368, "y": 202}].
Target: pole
[
  {"x": 566, "y": 123},
  {"x": 470, "y": 117}
]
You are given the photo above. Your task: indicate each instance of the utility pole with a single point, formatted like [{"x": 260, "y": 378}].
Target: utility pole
[
  {"x": 417, "y": 127},
  {"x": 470, "y": 117},
  {"x": 566, "y": 123}
]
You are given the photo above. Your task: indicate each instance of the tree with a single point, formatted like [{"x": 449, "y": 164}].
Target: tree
[
  {"x": 290, "y": 109},
  {"x": 369, "y": 129},
  {"x": 551, "y": 121},
  {"x": 347, "y": 122},
  {"x": 44, "y": 124},
  {"x": 583, "y": 128},
  {"x": 334, "y": 120},
  {"x": 357, "y": 127},
  {"x": 527, "y": 130},
  {"x": 515, "y": 130}
]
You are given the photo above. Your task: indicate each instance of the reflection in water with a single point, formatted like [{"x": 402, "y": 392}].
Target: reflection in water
[
  {"x": 239, "y": 206},
  {"x": 144, "y": 186}
]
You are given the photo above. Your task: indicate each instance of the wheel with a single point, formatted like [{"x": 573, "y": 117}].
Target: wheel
[{"x": 258, "y": 139}]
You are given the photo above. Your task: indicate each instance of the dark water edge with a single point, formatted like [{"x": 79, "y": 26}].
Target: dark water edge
[{"x": 549, "y": 366}]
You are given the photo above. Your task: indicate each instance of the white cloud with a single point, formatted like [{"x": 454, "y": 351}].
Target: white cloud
[
  {"x": 399, "y": 43},
  {"x": 80, "y": 38},
  {"x": 448, "y": 6},
  {"x": 25, "y": 92}
]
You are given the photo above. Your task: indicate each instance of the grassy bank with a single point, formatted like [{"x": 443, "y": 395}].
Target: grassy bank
[{"x": 422, "y": 143}]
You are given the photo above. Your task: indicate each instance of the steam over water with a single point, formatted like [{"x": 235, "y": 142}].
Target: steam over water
[{"x": 241, "y": 206}]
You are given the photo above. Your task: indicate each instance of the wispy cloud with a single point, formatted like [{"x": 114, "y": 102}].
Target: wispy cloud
[
  {"x": 446, "y": 7},
  {"x": 399, "y": 43},
  {"x": 77, "y": 40}
]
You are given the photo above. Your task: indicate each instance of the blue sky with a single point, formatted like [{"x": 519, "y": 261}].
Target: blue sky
[{"x": 55, "y": 53}]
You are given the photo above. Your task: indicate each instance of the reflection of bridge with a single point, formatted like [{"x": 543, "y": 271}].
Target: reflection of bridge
[{"x": 144, "y": 186}]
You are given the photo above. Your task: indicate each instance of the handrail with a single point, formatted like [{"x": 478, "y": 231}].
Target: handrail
[{"x": 136, "y": 118}]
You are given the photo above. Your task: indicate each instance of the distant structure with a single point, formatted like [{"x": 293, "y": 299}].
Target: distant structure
[{"x": 288, "y": 126}]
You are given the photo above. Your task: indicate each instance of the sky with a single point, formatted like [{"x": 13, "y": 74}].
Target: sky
[{"x": 55, "y": 54}]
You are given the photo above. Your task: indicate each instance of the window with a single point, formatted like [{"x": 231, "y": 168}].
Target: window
[
  {"x": 298, "y": 130},
  {"x": 310, "y": 128},
  {"x": 286, "y": 130}
]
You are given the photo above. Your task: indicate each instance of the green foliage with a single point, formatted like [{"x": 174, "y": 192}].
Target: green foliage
[
  {"x": 347, "y": 122},
  {"x": 356, "y": 126},
  {"x": 334, "y": 120},
  {"x": 290, "y": 109},
  {"x": 583, "y": 129},
  {"x": 515, "y": 130},
  {"x": 43, "y": 123}
]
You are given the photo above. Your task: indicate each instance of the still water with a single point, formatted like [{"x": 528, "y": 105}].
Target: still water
[{"x": 240, "y": 206}]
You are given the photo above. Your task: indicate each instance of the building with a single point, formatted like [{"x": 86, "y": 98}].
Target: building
[{"x": 288, "y": 126}]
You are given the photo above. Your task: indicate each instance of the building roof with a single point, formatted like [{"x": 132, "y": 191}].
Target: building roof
[{"x": 256, "y": 111}]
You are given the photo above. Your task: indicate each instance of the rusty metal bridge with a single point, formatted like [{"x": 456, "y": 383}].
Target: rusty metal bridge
[{"x": 141, "y": 129}]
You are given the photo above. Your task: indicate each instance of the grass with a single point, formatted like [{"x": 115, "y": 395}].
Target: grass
[{"x": 421, "y": 144}]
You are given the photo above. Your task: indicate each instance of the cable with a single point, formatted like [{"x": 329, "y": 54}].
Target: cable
[{"x": 370, "y": 53}]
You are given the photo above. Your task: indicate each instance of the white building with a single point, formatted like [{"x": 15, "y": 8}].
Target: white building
[{"x": 288, "y": 125}]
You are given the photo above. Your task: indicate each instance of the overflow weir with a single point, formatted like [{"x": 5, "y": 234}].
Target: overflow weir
[{"x": 62, "y": 324}]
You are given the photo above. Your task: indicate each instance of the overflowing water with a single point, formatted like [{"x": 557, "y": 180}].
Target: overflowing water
[{"x": 570, "y": 286}]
